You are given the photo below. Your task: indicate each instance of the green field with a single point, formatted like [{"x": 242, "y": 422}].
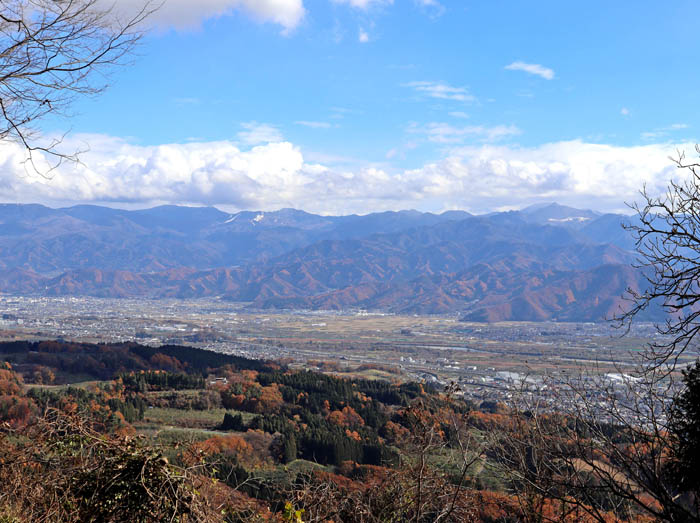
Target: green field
[{"x": 190, "y": 419}]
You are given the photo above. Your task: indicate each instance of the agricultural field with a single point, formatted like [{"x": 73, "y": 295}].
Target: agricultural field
[{"x": 484, "y": 358}]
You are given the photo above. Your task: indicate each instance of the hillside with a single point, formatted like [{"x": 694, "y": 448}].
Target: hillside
[
  {"x": 541, "y": 263},
  {"x": 127, "y": 432},
  {"x": 176, "y": 433}
]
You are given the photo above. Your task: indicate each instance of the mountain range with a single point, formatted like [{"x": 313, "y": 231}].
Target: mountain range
[{"x": 546, "y": 262}]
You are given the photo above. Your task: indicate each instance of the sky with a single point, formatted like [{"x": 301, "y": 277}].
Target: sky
[{"x": 356, "y": 106}]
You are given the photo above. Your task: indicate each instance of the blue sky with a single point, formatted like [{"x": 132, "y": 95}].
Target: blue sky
[{"x": 340, "y": 106}]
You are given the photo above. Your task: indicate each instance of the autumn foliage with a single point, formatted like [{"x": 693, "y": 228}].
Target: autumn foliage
[{"x": 289, "y": 444}]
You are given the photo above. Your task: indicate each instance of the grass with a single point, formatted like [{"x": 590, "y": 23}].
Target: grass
[
  {"x": 368, "y": 374},
  {"x": 78, "y": 385},
  {"x": 183, "y": 393},
  {"x": 303, "y": 465},
  {"x": 174, "y": 435},
  {"x": 202, "y": 419}
]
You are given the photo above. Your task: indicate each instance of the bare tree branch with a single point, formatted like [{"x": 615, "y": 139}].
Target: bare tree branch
[
  {"x": 667, "y": 237},
  {"x": 52, "y": 51}
]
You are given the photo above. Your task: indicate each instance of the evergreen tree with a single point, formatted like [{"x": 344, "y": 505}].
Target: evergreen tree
[
  {"x": 289, "y": 448},
  {"x": 685, "y": 427}
]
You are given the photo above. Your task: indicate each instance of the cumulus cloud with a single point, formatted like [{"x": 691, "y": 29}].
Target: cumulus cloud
[
  {"x": 536, "y": 69},
  {"x": 576, "y": 173},
  {"x": 187, "y": 14},
  {"x": 203, "y": 173},
  {"x": 363, "y": 36},
  {"x": 274, "y": 175},
  {"x": 442, "y": 91}
]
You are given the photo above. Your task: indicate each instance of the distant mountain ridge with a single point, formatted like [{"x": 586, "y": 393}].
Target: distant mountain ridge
[{"x": 543, "y": 262}]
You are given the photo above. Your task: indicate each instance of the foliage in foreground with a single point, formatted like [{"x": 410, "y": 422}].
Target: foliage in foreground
[
  {"x": 281, "y": 445},
  {"x": 60, "y": 469}
]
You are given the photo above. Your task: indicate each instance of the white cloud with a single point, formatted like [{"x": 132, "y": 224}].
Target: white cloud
[
  {"x": 255, "y": 133},
  {"x": 536, "y": 69},
  {"x": 400, "y": 152},
  {"x": 313, "y": 125},
  {"x": 187, "y": 14},
  {"x": 436, "y": 7},
  {"x": 664, "y": 132},
  {"x": 574, "y": 173},
  {"x": 442, "y": 91},
  {"x": 275, "y": 175},
  {"x": 458, "y": 114},
  {"x": 624, "y": 111},
  {"x": 363, "y": 4},
  {"x": 438, "y": 132},
  {"x": 363, "y": 36}
]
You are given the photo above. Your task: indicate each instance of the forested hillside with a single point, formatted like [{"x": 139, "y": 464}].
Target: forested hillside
[
  {"x": 542, "y": 263},
  {"x": 181, "y": 434}
]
